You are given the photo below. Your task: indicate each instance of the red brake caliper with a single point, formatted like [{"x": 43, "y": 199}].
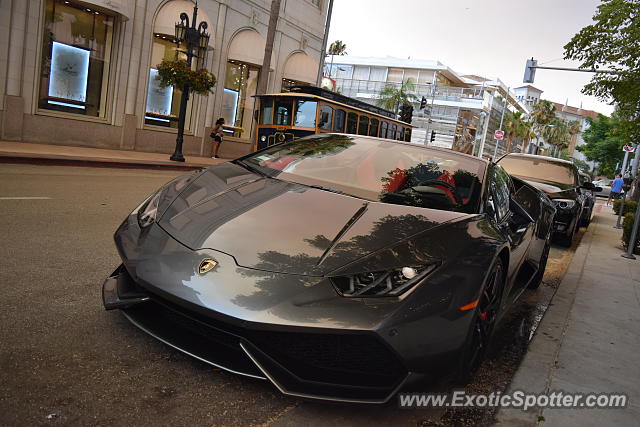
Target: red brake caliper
[{"x": 483, "y": 316}]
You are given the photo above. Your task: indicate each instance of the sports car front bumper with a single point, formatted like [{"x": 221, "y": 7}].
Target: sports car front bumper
[{"x": 331, "y": 365}]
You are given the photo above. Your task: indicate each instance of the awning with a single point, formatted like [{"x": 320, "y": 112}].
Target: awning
[
  {"x": 302, "y": 68},
  {"x": 169, "y": 15},
  {"x": 248, "y": 46}
]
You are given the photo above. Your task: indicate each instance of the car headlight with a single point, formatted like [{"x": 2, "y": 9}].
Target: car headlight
[
  {"x": 148, "y": 210},
  {"x": 381, "y": 283},
  {"x": 564, "y": 203}
]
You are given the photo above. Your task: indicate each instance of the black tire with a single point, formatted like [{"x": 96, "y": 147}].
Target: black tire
[
  {"x": 482, "y": 326},
  {"x": 537, "y": 279},
  {"x": 567, "y": 240}
]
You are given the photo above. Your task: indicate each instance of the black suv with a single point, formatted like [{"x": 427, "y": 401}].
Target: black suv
[{"x": 559, "y": 179}]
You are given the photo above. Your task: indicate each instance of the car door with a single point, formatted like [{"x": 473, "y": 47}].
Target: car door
[{"x": 517, "y": 233}]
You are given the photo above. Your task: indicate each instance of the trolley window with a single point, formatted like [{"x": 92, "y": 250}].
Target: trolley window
[
  {"x": 266, "y": 113},
  {"x": 407, "y": 134},
  {"x": 383, "y": 129},
  {"x": 283, "y": 112},
  {"x": 363, "y": 125},
  {"x": 400, "y": 133},
  {"x": 326, "y": 116},
  {"x": 352, "y": 123},
  {"x": 338, "y": 123},
  {"x": 306, "y": 113},
  {"x": 392, "y": 131},
  {"x": 373, "y": 127}
]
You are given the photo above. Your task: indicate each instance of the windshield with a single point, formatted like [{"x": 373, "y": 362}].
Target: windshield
[
  {"x": 539, "y": 170},
  {"x": 376, "y": 170}
]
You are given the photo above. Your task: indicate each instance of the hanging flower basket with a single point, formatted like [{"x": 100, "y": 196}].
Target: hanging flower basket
[{"x": 177, "y": 73}]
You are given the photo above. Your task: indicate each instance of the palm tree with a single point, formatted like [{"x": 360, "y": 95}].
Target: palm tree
[
  {"x": 337, "y": 48},
  {"x": 515, "y": 127},
  {"x": 391, "y": 97},
  {"x": 573, "y": 127},
  {"x": 527, "y": 135},
  {"x": 556, "y": 133},
  {"x": 542, "y": 114}
]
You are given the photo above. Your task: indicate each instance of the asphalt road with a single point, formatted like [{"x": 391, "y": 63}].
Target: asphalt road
[{"x": 64, "y": 360}]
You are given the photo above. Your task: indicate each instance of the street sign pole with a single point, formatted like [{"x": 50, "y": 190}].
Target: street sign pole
[{"x": 504, "y": 107}]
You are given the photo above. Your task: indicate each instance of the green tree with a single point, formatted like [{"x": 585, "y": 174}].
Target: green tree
[
  {"x": 611, "y": 42},
  {"x": 556, "y": 133},
  {"x": 603, "y": 143},
  {"x": 337, "y": 48},
  {"x": 391, "y": 97},
  {"x": 516, "y": 126},
  {"x": 542, "y": 114}
]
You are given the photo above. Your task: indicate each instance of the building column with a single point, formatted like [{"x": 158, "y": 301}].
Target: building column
[{"x": 13, "y": 116}]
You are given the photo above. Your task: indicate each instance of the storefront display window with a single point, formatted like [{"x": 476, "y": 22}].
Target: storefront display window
[
  {"x": 163, "y": 103},
  {"x": 76, "y": 54},
  {"x": 238, "y": 101}
]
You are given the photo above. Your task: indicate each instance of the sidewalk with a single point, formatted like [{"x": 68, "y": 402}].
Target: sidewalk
[
  {"x": 588, "y": 340},
  {"x": 24, "y": 152}
]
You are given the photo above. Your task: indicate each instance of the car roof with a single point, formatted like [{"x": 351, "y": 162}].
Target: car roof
[{"x": 538, "y": 158}]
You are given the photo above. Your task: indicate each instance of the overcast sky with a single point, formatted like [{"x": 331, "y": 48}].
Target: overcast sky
[{"x": 492, "y": 38}]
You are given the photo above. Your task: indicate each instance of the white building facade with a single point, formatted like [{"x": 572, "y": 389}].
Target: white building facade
[
  {"x": 462, "y": 112},
  {"x": 83, "y": 72}
]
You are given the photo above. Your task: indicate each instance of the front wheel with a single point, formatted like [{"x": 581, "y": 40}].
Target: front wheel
[
  {"x": 483, "y": 322},
  {"x": 567, "y": 240}
]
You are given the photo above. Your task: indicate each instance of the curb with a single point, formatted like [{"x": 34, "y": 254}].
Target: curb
[
  {"x": 54, "y": 160},
  {"x": 534, "y": 373}
]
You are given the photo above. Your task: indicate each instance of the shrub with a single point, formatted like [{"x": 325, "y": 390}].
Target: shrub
[
  {"x": 629, "y": 206},
  {"x": 627, "y": 225}
]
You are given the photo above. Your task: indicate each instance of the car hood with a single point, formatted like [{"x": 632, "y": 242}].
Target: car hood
[{"x": 273, "y": 225}]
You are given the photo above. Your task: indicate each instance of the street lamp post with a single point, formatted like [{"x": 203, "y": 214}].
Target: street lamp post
[{"x": 196, "y": 40}]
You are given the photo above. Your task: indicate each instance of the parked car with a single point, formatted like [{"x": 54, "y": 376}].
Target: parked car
[
  {"x": 559, "y": 179},
  {"x": 337, "y": 267},
  {"x": 587, "y": 212},
  {"x": 605, "y": 185}
]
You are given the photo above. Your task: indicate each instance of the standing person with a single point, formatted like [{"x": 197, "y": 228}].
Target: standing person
[
  {"x": 217, "y": 133},
  {"x": 616, "y": 188}
]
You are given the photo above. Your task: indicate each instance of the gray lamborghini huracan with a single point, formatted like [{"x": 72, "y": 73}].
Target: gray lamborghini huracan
[{"x": 337, "y": 267}]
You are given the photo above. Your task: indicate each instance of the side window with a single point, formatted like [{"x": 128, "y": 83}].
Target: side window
[
  {"x": 326, "y": 114},
  {"x": 500, "y": 189},
  {"x": 391, "y": 134},
  {"x": 400, "y": 134},
  {"x": 383, "y": 129},
  {"x": 352, "y": 123},
  {"x": 407, "y": 135},
  {"x": 338, "y": 123},
  {"x": 363, "y": 125},
  {"x": 373, "y": 127},
  {"x": 283, "y": 112}
]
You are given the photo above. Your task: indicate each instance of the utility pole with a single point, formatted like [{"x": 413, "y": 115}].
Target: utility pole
[{"x": 268, "y": 48}]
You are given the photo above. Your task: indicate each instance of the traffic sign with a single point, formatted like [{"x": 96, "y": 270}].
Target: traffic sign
[
  {"x": 499, "y": 134},
  {"x": 629, "y": 148}
]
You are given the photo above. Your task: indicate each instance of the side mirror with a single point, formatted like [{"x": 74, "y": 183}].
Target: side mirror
[
  {"x": 589, "y": 186},
  {"x": 520, "y": 216}
]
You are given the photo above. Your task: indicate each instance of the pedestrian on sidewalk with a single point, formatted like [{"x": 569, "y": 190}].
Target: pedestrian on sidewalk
[
  {"x": 217, "y": 133},
  {"x": 616, "y": 188}
]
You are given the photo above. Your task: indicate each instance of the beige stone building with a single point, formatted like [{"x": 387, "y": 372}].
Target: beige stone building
[{"x": 83, "y": 72}]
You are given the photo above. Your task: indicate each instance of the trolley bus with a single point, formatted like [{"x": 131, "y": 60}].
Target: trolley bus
[{"x": 308, "y": 110}]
